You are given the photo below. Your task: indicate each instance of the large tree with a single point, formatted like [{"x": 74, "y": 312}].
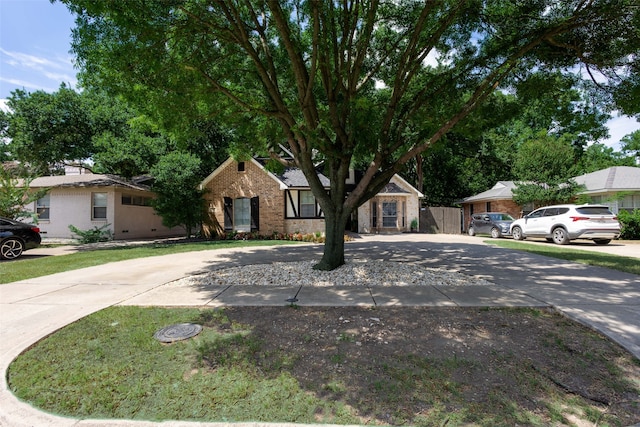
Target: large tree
[
  {"x": 338, "y": 81},
  {"x": 48, "y": 130}
]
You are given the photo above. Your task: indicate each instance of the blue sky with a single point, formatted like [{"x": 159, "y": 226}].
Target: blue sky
[
  {"x": 34, "y": 53},
  {"x": 34, "y": 46}
]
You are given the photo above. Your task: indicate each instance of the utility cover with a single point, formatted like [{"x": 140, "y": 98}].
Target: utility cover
[{"x": 179, "y": 332}]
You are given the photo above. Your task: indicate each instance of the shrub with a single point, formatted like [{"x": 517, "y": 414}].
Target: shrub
[
  {"x": 630, "y": 222},
  {"x": 95, "y": 235}
]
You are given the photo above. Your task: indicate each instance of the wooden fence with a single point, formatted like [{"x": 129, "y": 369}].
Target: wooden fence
[{"x": 440, "y": 220}]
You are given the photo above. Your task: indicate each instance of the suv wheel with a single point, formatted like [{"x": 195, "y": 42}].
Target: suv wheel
[
  {"x": 601, "y": 241},
  {"x": 560, "y": 236},
  {"x": 517, "y": 233},
  {"x": 11, "y": 248},
  {"x": 495, "y": 233},
  {"x": 471, "y": 231}
]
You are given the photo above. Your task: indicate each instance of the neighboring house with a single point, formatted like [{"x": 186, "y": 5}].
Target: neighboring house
[
  {"x": 617, "y": 187},
  {"x": 91, "y": 200},
  {"x": 497, "y": 199},
  {"x": 244, "y": 196}
]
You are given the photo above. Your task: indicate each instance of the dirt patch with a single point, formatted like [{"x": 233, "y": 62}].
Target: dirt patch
[{"x": 436, "y": 366}]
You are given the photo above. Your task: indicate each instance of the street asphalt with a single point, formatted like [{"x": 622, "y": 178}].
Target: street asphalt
[{"x": 605, "y": 300}]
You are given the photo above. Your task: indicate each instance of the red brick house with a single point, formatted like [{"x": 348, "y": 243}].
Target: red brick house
[
  {"x": 617, "y": 187},
  {"x": 496, "y": 199}
]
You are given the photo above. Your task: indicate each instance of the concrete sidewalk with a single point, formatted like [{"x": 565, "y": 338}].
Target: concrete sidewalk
[{"x": 605, "y": 300}]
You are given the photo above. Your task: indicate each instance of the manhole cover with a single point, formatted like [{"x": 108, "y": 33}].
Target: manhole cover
[{"x": 178, "y": 332}]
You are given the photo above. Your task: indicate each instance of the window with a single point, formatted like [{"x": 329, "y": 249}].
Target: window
[
  {"x": 42, "y": 207},
  {"x": 630, "y": 202},
  {"x": 128, "y": 199},
  {"x": 240, "y": 166},
  {"x": 98, "y": 205},
  {"x": 536, "y": 214},
  {"x": 242, "y": 214},
  {"x": 389, "y": 214},
  {"x": 307, "y": 204}
]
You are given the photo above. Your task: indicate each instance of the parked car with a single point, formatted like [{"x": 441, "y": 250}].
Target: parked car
[
  {"x": 17, "y": 237},
  {"x": 495, "y": 223},
  {"x": 562, "y": 223}
]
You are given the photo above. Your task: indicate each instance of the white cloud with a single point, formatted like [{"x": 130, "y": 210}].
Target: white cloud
[
  {"x": 24, "y": 60},
  {"x": 619, "y": 127},
  {"x": 28, "y": 85},
  {"x": 36, "y": 72}
]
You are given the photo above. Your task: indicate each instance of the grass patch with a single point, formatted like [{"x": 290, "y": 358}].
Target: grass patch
[
  {"x": 614, "y": 262},
  {"x": 27, "y": 268},
  {"x": 109, "y": 366},
  {"x": 460, "y": 367}
]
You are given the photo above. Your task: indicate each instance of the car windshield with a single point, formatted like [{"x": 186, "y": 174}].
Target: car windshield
[
  {"x": 501, "y": 217},
  {"x": 594, "y": 210}
]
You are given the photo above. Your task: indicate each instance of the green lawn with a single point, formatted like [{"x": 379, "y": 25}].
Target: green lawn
[
  {"x": 28, "y": 268},
  {"x": 108, "y": 365},
  {"x": 614, "y": 262},
  {"x": 245, "y": 366}
]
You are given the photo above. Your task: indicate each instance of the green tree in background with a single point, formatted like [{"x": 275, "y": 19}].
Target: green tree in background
[
  {"x": 136, "y": 149},
  {"x": 15, "y": 194},
  {"x": 631, "y": 144},
  {"x": 48, "y": 129},
  {"x": 341, "y": 82},
  {"x": 598, "y": 156},
  {"x": 543, "y": 167},
  {"x": 179, "y": 200}
]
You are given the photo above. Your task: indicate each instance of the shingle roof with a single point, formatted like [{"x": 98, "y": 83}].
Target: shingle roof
[
  {"x": 294, "y": 178},
  {"x": 86, "y": 180},
  {"x": 502, "y": 190},
  {"x": 615, "y": 178}
]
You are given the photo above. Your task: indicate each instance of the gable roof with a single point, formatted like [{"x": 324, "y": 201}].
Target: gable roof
[
  {"x": 228, "y": 162},
  {"x": 86, "y": 180},
  {"x": 393, "y": 188},
  {"x": 294, "y": 178},
  {"x": 500, "y": 191},
  {"x": 617, "y": 178}
]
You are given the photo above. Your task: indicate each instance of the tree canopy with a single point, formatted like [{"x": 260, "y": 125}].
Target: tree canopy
[
  {"x": 47, "y": 130},
  {"x": 372, "y": 81}
]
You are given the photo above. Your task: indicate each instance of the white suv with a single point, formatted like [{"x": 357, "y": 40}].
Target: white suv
[{"x": 562, "y": 223}]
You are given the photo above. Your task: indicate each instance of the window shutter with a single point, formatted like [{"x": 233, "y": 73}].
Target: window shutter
[
  {"x": 255, "y": 213},
  {"x": 228, "y": 214}
]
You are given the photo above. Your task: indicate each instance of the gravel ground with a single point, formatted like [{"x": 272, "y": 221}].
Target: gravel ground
[{"x": 353, "y": 273}]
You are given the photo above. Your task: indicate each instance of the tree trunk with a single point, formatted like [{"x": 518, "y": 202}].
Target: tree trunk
[
  {"x": 333, "y": 256},
  {"x": 419, "y": 174}
]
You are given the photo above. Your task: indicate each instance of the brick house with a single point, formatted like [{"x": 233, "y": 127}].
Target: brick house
[
  {"x": 244, "y": 196},
  {"x": 496, "y": 199},
  {"x": 617, "y": 187}
]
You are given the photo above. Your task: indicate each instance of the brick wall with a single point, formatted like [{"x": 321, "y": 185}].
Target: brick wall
[
  {"x": 253, "y": 181},
  {"x": 304, "y": 226}
]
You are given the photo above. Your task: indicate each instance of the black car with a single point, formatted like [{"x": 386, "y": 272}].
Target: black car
[
  {"x": 16, "y": 237},
  {"x": 495, "y": 223}
]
